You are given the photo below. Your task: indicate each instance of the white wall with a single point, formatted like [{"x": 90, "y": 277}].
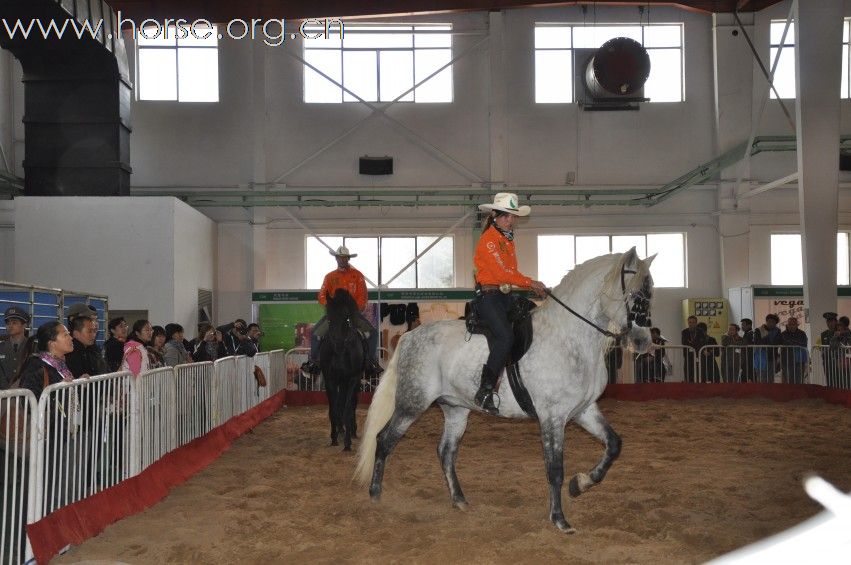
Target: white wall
[{"x": 124, "y": 248}]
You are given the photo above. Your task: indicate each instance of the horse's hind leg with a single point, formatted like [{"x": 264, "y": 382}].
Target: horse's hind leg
[
  {"x": 385, "y": 442},
  {"x": 454, "y": 425},
  {"x": 552, "y": 436},
  {"x": 593, "y": 422},
  {"x": 332, "y": 415}
]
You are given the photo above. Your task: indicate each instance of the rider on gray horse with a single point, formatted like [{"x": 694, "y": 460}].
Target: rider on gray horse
[{"x": 496, "y": 273}]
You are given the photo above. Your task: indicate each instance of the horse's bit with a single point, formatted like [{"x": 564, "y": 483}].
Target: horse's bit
[{"x": 639, "y": 312}]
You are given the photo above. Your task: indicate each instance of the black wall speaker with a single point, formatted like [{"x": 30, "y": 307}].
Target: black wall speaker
[
  {"x": 376, "y": 166},
  {"x": 845, "y": 161}
]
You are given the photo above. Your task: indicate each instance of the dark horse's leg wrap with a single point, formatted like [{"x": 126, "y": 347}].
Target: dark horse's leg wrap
[
  {"x": 454, "y": 425},
  {"x": 552, "y": 436},
  {"x": 387, "y": 439},
  {"x": 595, "y": 424}
]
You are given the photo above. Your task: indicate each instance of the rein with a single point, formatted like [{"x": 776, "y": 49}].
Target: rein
[
  {"x": 606, "y": 333},
  {"x": 639, "y": 313}
]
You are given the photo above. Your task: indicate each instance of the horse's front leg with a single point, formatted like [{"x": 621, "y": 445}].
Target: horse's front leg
[
  {"x": 347, "y": 413},
  {"x": 552, "y": 436},
  {"x": 332, "y": 414},
  {"x": 594, "y": 423}
]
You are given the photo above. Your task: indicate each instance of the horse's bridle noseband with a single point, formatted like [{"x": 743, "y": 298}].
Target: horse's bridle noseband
[{"x": 638, "y": 313}]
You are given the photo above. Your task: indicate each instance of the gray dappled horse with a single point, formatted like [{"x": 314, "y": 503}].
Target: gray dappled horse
[{"x": 563, "y": 371}]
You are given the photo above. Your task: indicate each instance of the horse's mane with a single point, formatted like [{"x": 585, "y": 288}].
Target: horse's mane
[
  {"x": 579, "y": 274},
  {"x": 341, "y": 306}
]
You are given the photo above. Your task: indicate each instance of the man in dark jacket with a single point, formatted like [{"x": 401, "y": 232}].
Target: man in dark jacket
[
  {"x": 12, "y": 348},
  {"x": 748, "y": 338},
  {"x": 793, "y": 357},
  {"x": 690, "y": 337},
  {"x": 86, "y": 359},
  {"x": 114, "y": 347},
  {"x": 828, "y": 359},
  {"x": 233, "y": 335},
  {"x": 251, "y": 346}
]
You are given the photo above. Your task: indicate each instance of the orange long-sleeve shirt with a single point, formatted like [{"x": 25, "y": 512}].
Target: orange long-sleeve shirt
[
  {"x": 496, "y": 261},
  {"x": 349, "y": 279}
]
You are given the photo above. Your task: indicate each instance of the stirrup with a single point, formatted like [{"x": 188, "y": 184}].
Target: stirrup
[{"x": 484, "y": 400}]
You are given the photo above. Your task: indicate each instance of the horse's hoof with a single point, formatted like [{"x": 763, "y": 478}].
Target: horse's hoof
[
  {"x": 461, "y": 505},
  {"x": 563, "y": 526},
  {"x": 573, "y": 487},
  {"x": 334, "y": 443},
  {"x": 375, "y": 495},
  {"x": 347, "y": 448}
]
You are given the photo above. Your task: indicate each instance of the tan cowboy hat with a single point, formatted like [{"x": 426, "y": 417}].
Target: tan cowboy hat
[
  {"x": 506, "y": 202},
  {"x": 343, "y": 251}
]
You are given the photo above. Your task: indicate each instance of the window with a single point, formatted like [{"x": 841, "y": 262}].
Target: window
[
  {"x": 787, "y": 259},
  {"x": 174, "y": 64},
  {"x": 381, "y": 259},
  {"x": 554, "y": 46},
  {"x": 784, "y": 75},
  {"x": 558, "y": 254},
  {"x": 379, "y": 63}
]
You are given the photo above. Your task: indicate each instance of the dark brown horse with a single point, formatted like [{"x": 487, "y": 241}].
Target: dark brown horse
[{"x": 341, "y": 358}]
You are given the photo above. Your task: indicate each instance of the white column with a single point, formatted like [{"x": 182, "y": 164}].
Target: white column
[
  {"x": 818, "y": 56},
  {"x": 498, "y": 100}
]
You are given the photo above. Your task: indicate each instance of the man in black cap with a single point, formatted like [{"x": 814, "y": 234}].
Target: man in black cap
[
  {"x": 828, "y": 360},
  {"x": 10, "y": 350}
]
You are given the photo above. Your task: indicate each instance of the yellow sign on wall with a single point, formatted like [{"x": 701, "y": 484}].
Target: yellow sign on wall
[{"x": 714, "y": 312}]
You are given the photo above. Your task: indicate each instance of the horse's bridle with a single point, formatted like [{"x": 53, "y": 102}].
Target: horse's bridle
[{"x": 638, "y": 313}]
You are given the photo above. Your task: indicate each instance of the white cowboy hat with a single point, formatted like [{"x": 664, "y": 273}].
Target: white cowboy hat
[
  {"x": 342, "y": 251},
  {"x": 506, "y": 202}
]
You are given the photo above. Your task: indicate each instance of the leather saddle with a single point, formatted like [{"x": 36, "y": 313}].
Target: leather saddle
[{"x": 520, "y": 317}]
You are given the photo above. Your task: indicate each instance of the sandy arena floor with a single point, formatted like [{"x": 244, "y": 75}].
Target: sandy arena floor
[{"x": 696, "y": 479}]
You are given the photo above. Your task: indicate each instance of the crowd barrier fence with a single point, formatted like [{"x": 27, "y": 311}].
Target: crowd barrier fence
[
  {"x": 296, "y": 380},
  {"x": 86, "y": 435}
]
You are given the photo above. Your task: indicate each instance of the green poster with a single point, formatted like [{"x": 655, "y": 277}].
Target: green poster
[{"x": 288, "y": 325}]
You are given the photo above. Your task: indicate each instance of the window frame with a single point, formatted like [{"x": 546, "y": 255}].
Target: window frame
[
  {"x": 389, "y": 29},
  {"x": 379, "y": 238},
  {"x": 577, "y": 235},
  {"x": 573, "y": 46},
  {"x": 840, "y": 232},
  {"x": 176, "y": 48}
]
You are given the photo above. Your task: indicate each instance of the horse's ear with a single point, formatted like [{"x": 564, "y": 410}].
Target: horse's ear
[
  {"x": 630, "y": 260},
  {"x": 649, "y": 260}
]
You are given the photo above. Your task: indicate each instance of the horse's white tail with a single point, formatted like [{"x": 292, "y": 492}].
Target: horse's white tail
[{"x": 380, "y": 412}]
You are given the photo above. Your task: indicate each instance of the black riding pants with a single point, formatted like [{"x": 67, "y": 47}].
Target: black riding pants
[{"x": 494, "y": 310}]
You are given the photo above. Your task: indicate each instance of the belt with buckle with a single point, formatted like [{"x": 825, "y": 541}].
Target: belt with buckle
[{"x": 504, "y": 288}]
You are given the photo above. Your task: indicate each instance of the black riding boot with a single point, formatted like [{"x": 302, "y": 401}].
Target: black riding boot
[
  {"x": 370, "y": 363},
  {"x": 484, "y": 396}
]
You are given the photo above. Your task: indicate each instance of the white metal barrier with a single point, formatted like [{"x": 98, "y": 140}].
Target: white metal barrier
[
  {"x": 194, "y": 390},
  {"x": 157, "y": 393},
  {"x": 831, "y": 366},
  {"x": 85, "y": 440},
  {"x": 17, "y": 410},
  {"x": 276, "y": 376},
  {"x": 263, "y": 361},
  {"x": 753, "y": 363},
  {"x": 296, "y": 380},
  {"x": 225, "y": 391}
]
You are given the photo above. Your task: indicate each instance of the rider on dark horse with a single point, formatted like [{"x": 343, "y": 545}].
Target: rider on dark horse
[
  {"x": 350, "y": 279},
  {"x": 496, "y": 272}
]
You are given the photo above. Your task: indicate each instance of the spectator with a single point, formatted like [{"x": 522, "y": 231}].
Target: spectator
[
  {"x": 251, "y": 345},
  {"x": 708, "y": 348},
  {"x": 81, "y": 310},
  {"x": 614, "y": 360},
  {"x": 86, "y": 359},
  {"x": 793, "y": 358},
  {"x": 747, "y": 359},
  {"x": 650, "y": 366},
  {"x": 690, "y": 339},
  {"x": 11, "y": 350},
  {"x": 766, "y": 358},
  {"x": 208, "y": 345},
  {"x": 45, "y": 354},
  {"x": 828, "y": 359},
  {"x": 155, "y": 348},
  {"x": 136, "y": 358},
  {"x": 113, "y": 348},
  {"x": 731, "y": 355},
  {"x": 175, "y": 352},
  {"x": 233, "y": 335},
  {"x": 840, "y": 349}
]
